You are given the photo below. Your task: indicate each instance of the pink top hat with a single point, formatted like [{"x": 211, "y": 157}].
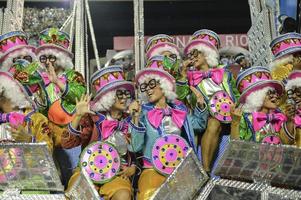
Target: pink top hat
[
  {"x": 277, "y": 85},
  {"x": 52, "y": 38},
  {"x": 250, "y": 76},
  {"x": 294, "y": 75},
  {"x": 203, "y": 37},
  {"x": 286, "y": 44},
  {"x": 254, "y": 79},
  {"x": 13, "y": 41},
  {"x": 108, "y": 79},
  {"x": 160, "y": 43},
  {"x": 155, "y": 67}
]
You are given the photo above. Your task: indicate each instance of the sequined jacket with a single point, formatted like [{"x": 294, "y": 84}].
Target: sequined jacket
[
  {"x": 90, "y": 127},
  {"x": 228, "y": 85},
  {"x": 144, "y": 136},
  {"x": 74, "y": 88},
  {"x": 247, "y": 132},
  {"x": 37, "y": 126}
]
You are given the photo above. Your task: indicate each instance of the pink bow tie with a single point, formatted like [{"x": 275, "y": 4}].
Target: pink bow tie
[
  {"x": 195, "y": 77},
  {"x": 109, "y": 126},
  {"x": 260, "y": 119},
  {"x": 156, "y": 115}
]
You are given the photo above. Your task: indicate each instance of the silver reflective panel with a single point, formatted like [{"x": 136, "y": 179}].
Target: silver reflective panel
[
  {"x": 83, "y": 189},
  {"x": 28, "y": 167},
  {"x": 278, "y": 165},
  {"x": 259, "y": 38},
  {"x": 184, "y": 182},
  {"x": 228, "y": 189}
]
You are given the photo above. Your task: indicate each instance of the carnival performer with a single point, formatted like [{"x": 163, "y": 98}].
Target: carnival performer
[
  {"x": 201, "y": 70},
  {"x": 14, "y": 46},
  {"x": 242, "y": 61},
  {"x": 109, "y": 123},
  {"x": 127, "y": 61},
  {"x": 287, "y": 57},
  {"x": 293, "y": 107},
  {"x": 62, "y": 85},
  {"x": 164, "y": 45},
  {"x": 163, "y": 115},
  {"x": 18, "y": 111},
  {"x": 258, "y": 118}
]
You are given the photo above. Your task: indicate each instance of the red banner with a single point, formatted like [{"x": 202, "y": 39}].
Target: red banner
[{"x": 241, "y": 40}]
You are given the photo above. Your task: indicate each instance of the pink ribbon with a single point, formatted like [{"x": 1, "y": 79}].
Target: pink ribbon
[
  {"x": 155, "y": 116},
  {"x": 260, "y": 119},
  {"x": 109, "y": 126},
  {"x": 195, "y": 77},
  {"x": 297, "y": 120}
]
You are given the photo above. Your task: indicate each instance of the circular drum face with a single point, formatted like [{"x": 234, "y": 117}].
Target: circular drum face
[
  {"x": 168, "y": 152},
  {"x": 101, "y": 161},
  {"x": 220, "y": 106}
]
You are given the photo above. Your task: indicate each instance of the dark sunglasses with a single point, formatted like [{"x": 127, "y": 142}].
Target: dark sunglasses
[
  {"x": 51, "y": 58},
  {"x": 123, "y": 93},
  {"x": 150, "y": 85},
  {"x": 28, "y": 58}
]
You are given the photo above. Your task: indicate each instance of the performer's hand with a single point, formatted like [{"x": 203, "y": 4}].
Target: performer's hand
[
  {"x": 290, "y": 111},
  {"x": 128, "y": 171},
  {"x": 135, "y": 108},
  {"x": 184, "y": 68},
  {"x": 236, "y": 113},
  {"x": 20, "y": 134},
  {"x": 199, "y": 97},
  {"x": 83, "y": 105},
  {"x": 51, "y": 73},
  {"x": 298, "y": 105}
]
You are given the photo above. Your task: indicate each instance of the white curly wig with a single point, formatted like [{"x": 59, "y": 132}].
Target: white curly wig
[
  {"x": 255, "y": 100},
  {"x": 280, "y": 61},
  {"x": 211, "y": 56},
  {"x": 160, "y": 50},
  {"x": 62, "y": 59},
  {"x": 8, "y": 62},
  {"x": 10, "y": 90},
  {"x": 166, "y": 86},
  {"x": 293, "y": 83},
  {"x": 106, "y": 101}
]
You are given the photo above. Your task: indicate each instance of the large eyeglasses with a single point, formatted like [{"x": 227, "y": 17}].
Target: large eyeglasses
[
  {"x": 194, "y": 53},
  {"x": 123, "y": 93},
  {"x": 272, "y": 93},
  {"x": 28, "y": 58},
  {"x": 295, "y": 91},
  {"x": 51, "y": 58},
  {"x": 150, "y": 85}
]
